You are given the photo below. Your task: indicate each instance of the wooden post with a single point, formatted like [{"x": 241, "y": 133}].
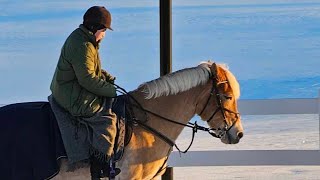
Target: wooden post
[
  {"x": 165, "y": 37},
  {"x": 168, "y": 175},
  {"x": 165, "y": 53}
]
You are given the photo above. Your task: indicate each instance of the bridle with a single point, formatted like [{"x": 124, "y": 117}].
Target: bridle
[
  {"x": 217, "y": 133},
  {"x": 220, "y": 132}
]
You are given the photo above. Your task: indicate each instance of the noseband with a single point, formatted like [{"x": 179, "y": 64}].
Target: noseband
[{"x": 218, "y": 133}]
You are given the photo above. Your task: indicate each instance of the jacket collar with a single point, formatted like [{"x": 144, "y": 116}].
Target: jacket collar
[{"x": 90, "y": 35}]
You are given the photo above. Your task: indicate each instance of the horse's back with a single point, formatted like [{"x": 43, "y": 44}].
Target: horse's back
[{"x": 30, "y": 141}]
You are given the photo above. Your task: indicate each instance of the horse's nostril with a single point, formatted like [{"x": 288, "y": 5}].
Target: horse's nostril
[{"x": 240, "y": 135}]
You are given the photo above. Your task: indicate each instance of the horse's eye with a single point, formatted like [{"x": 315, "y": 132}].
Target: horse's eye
[{"x": 228, "y": 97}]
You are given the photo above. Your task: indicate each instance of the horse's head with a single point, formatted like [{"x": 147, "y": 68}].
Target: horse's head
[{"x": 217, "y": 104}]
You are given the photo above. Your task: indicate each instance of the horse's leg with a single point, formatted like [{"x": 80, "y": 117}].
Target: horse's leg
[{"x": 158, "y": 177}]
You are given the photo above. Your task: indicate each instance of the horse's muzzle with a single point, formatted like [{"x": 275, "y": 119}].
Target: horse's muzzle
[{"x": 230, "y": 139}]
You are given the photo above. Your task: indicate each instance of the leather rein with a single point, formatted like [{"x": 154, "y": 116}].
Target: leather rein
[{"x": 217, "y": 133}]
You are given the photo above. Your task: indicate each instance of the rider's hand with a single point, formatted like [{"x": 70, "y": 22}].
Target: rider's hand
[
  {"x": 108, "y": 77},
  {"x": 111, "y": 79}
]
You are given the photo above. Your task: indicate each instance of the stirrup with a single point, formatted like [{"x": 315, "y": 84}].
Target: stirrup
[{"x": 113, "y": 173}]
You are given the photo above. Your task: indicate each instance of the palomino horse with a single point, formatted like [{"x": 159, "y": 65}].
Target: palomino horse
[
  {"x": 162, "y": 107},
  {"x": 208, "y": 90}
]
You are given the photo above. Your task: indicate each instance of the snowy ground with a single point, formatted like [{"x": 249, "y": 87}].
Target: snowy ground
[{"x": 261, "y": 132}]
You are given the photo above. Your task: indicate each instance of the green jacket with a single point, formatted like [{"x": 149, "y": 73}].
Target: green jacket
[{"x": 79, "y": 84}]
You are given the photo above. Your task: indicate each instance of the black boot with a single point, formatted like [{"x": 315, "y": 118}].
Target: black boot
[
  {"x": 96, "y": 169},
  {"x": 101, "y": 170}
]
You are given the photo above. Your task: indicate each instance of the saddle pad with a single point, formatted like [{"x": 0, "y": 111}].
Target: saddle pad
[{"x": 30, "y": 140}]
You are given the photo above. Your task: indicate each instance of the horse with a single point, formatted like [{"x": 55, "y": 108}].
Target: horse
[{"x": 165, "y": 106}]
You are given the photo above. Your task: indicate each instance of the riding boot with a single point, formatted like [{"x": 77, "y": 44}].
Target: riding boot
[
  {"x": 106, "y": 170},
  {"x": 101, "y": 170},
  {"x": 96, "y": 169}
]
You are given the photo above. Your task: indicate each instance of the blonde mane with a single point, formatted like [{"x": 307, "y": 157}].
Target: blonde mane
[
  {"x": 184, "y": 80},
  {"x": 233, "y": 83}
]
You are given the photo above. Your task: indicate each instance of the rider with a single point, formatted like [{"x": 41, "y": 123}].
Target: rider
[{"x": 84, "y": 90}]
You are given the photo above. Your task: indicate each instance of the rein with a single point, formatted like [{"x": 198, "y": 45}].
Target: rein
[{"x": 194, "y": 126}]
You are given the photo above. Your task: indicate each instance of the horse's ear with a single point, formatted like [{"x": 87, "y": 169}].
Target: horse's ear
[{"x": 214, "y": 70}]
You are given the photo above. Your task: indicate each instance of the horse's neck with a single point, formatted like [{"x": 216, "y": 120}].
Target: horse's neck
[
  {"x": 146, "y": 152},
  {"x": 179, "y": 108}
]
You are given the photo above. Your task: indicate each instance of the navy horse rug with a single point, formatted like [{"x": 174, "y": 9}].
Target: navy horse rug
[{"x": 30, "y": 142}]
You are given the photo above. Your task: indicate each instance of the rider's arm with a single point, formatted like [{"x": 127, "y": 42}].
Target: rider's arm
[{"x": 84, "y": 67}]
